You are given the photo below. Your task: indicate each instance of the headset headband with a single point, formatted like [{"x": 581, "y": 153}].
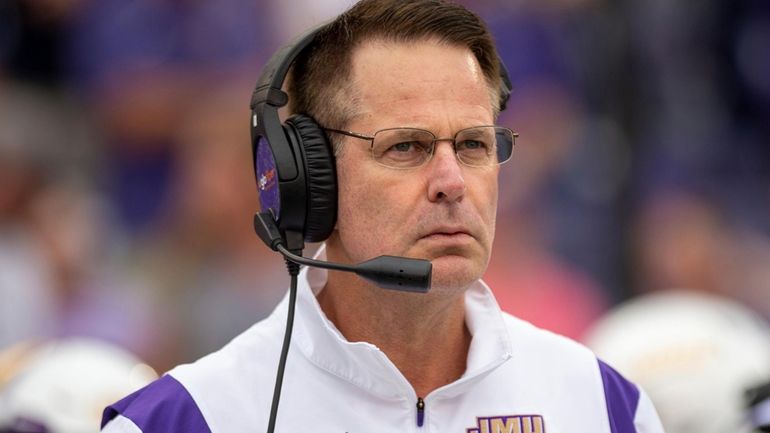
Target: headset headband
[{"x": 268, "y": 88}]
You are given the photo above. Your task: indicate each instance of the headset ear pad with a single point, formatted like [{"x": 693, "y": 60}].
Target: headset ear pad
[{"x": 320, "y": 177}]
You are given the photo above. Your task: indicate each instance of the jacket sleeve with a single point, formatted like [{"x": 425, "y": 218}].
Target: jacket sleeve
[
  {"x": 164, "y": 406},
  {"x": 629, "y": 410}
]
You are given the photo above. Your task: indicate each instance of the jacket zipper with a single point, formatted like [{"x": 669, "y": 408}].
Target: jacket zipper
[{"x": 420, "y": 411}]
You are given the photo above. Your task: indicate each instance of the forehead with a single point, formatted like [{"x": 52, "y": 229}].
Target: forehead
[{"x": 414, "y": 83}]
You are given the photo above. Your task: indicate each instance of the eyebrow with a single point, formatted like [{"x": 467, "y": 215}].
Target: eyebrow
[{"x": 409, "y": 131}]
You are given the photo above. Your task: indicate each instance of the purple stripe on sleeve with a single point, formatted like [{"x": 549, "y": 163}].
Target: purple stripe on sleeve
[
  {"x": 622, "y": 399},
  {"x": 162, "y": 406}
]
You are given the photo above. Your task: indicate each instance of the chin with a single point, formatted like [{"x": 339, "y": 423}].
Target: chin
[{"x": 454, "y": 273}]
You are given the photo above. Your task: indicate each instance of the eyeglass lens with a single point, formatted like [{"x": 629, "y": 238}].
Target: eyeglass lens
[{"x": 410, "y": 147}]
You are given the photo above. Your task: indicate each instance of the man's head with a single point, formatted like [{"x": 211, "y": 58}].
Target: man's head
[
  {"x": 418, "y": 64},
  {"x": 320, "y": 84}
]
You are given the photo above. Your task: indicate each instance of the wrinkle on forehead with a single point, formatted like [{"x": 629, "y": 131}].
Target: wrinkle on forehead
[{"x": 386, "y": 75}]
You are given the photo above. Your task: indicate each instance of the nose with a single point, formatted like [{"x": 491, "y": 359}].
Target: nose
[{"x": 445, "y": 175}]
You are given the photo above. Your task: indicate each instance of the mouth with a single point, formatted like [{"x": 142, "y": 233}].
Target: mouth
[{"x": 448, "y": 234}]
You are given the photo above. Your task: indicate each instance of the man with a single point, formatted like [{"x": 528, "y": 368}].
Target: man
[{"x": 364, "y": 359}]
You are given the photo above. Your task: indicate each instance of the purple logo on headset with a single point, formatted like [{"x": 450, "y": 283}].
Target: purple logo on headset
[{"x": 267, "y": 179}]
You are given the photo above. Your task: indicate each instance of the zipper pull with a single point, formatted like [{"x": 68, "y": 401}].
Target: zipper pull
[{"x": 420, "y": 411}]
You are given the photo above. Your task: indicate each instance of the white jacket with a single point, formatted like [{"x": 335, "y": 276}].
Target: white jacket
[{"x": 519, "y": 379}]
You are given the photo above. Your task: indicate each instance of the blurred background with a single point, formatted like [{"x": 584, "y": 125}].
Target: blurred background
[{"x": 127, "y": 192}]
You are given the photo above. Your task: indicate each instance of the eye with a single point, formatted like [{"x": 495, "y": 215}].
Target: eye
[
  {"x": 406, "y": 150},
  {"x": 405, "y": 146},
  {"x": 402, "y": 147},
  {"x": 473, "y": 144}
]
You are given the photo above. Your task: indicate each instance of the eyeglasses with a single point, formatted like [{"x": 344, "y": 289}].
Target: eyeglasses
[{"x": 404, "y": 148}]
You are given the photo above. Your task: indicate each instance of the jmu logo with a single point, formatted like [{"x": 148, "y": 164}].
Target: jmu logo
[
  {"x": 267, "y": 180},
  {"x": 509, "y": 424}
]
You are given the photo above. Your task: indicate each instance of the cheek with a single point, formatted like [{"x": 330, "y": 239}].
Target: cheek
[
  {"x": 373, "y": 208},
  {"x": 488, "y": 205},
  {"x": 353, "y": 206},
  {"x": 487, "y": 194},
  {"x": 493, "y": 201},
  {"x": 361, "y": 203}
]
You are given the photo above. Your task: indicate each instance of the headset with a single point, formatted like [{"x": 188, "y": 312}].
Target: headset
[{"x": 294, "y": 161}]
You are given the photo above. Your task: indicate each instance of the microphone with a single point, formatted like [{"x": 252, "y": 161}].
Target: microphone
[{"x": 389, "y": 272}]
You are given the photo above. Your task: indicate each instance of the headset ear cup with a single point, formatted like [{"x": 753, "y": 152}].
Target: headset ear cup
[{"x": 320, "y": 177}]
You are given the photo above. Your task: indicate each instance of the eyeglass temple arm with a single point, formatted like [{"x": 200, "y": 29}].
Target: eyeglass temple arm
[{"x": 349, "y": 133}]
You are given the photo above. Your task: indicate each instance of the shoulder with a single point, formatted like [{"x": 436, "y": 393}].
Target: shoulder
[
  {"x": 628, "y": 407},
  {"x": 546, "y": 346},
  {"x": 575, "y": 367},
  {"x": 162, "y": 406}
]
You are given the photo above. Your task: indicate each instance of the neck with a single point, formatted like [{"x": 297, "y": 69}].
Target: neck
[{"x": 424, "y": 335}]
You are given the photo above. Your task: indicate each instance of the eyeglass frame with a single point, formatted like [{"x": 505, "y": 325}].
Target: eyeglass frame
[{"x": 361, "y": 136}]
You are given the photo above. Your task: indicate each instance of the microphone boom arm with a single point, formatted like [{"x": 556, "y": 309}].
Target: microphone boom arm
[{"x": 388, "y": 272}]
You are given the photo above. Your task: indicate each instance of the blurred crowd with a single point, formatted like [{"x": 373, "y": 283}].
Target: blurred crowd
[{"x": 127, "y": 191}]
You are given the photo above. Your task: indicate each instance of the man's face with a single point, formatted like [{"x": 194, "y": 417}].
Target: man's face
[{"x": 442, "y": 211}]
